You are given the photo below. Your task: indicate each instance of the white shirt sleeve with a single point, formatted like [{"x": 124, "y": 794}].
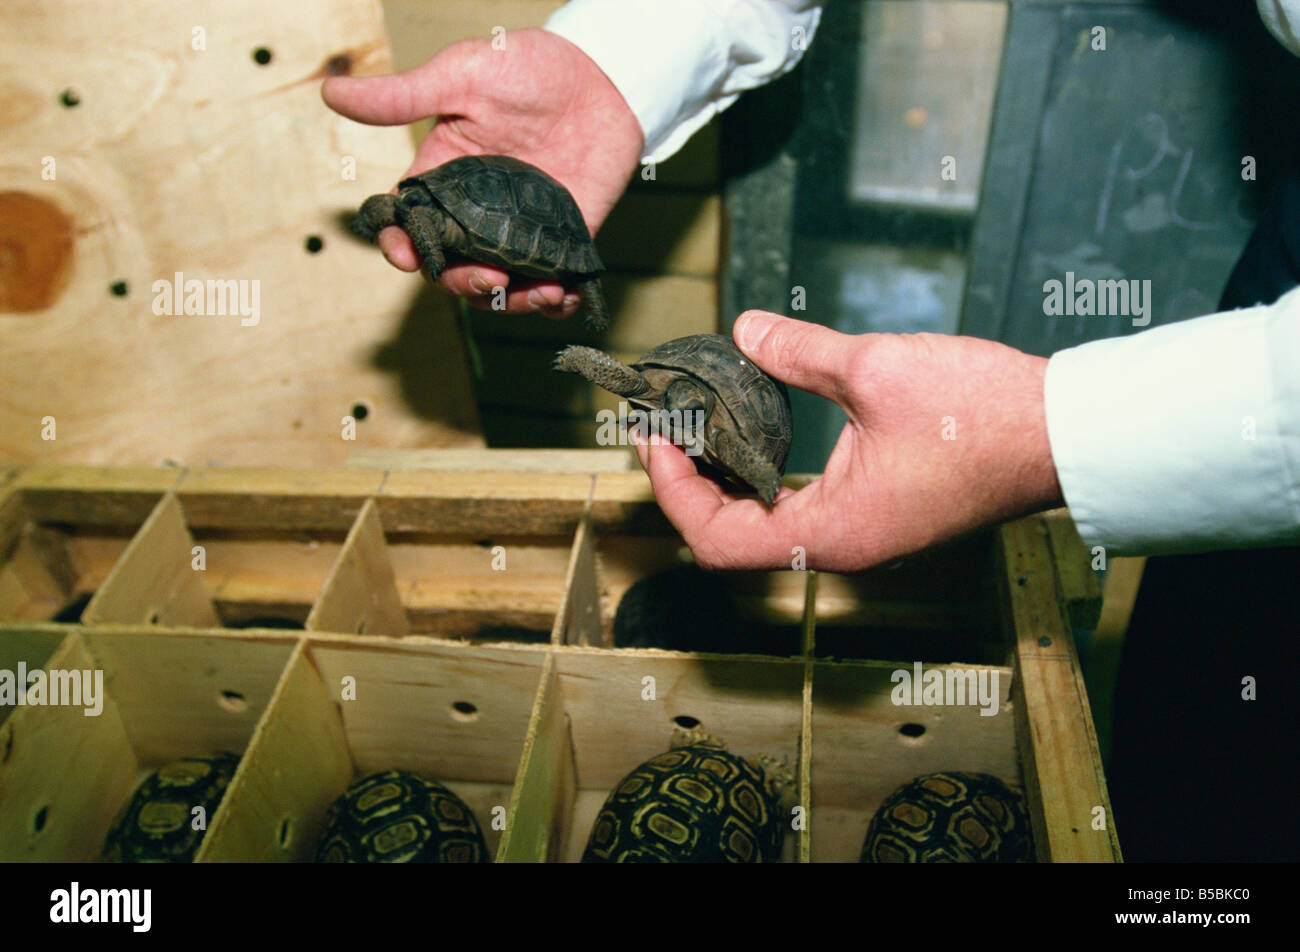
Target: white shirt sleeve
[
  {"x": 680, "y": 62},
  {"x": 1282, "y": 17},
  {"x": 1183, "y": 438}
]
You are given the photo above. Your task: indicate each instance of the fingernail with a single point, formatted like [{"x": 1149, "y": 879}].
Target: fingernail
[
  {"x": 479, "y": 285},
  {"x": 751, "y": 328},
  {"x": 536, "y": 300},
  {"x": 570, "y": 300}
]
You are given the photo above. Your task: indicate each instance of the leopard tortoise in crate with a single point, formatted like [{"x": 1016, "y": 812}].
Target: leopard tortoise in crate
[
  {"x": 157, "y": 825},
  {"x": 695, "y": 803},
  {"x": 951, "y": 817},
  {"x": 399, "y": 817}
]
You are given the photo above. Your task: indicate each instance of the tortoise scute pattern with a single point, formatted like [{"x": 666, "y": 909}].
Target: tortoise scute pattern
[
  {"x": 495, "y": 209},
  {"x": 694, "y": 804},
  {"x": 515, "y": 214},
  {"x": 759, "y": 404},
  {"x": 951, "y": 817},
  {"x": 398, "y": 817},
  {"x": 157, "y": 825}
]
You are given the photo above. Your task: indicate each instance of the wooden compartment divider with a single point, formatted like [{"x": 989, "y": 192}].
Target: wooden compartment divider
[
  {"x": 541, "y": 803},
  {"x": 296, "y": 763},
  {"x": 360, "y": 594},
  {"x": 155, "y": 581},
  {"x": 532, "y": 735},
  {"x": 579, "y": 619}
]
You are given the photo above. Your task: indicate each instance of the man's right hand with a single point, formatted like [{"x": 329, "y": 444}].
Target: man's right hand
[{"x": 541, "y": 100}]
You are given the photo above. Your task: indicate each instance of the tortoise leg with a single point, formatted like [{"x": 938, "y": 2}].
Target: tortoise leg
[
  {"x": 759, "y": 473},
  {"x": 780, "y": 782},
  {"x": 602, "y": 370},
  {"x": 594, "y": 297},
  {"x": 377, "y": 212},
  {"x": 424, "y": 224}
]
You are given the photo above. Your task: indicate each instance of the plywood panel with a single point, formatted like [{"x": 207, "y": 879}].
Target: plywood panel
[{"x": 184, "y": 155}]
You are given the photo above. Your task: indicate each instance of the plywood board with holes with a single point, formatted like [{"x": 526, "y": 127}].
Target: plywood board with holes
[{"x": 140, "y": 142}]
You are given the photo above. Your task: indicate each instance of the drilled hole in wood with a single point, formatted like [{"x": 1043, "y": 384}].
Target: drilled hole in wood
[
  {"x": 261, "y": 56},
  {"x": 360, "y": 411},
  {"x": 285, "y": 834},
  {"x": 912, "y": 730},
  {"x": 313, "y": 244},
  {"x": 69, "y": 98},
  {"x": 232, "y": 701},
  {"x": 463, "y": 711},
  {"x": 154, "y": 616},
  {"x": 118, "y": 288},
  {"x": 686, "y": 722},
  {"x": 39, "y": 820}
]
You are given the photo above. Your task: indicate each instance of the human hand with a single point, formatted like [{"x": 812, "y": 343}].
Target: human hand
[
  {"x": 893, "y": 484},
  {"x": 541, "y": 100}
]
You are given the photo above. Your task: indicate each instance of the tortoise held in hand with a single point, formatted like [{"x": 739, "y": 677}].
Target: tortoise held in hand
[
  {"x": 745, "y": 414},
  {"x": 498, "y": 210},
  {"x": 695, "y": 803}
]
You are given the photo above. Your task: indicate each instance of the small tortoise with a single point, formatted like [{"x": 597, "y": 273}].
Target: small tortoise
[
  {"x": 158, "y": 823},
  {"x": 951, "y": 817},
  {"x": 703, "y": 378},
  {"x": 397, "y": 817},
  {"x": 695, "y": 803},
  {"x": 498, "y": 210}
]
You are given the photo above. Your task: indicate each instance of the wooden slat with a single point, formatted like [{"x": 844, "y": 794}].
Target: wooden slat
[
  {"x": 497, "y": 460},
  {"x": 236, "y": 498},
  {"x": 93, "y": 495},
  {"x": 541, "y": 803},
  {"x": 625, "y": 503},
  {"x": 1101, "y": 667},
  {"x": 296, "y": 764},
  {"x": 806, "y": 718},
  {"x": 1058, "y": 744},
  {"x": 155, "y": 581},
  {"x": 360, "y": 596},
  {"x": 516, "y": 503},
  {"x": 1079, "y": 585}
]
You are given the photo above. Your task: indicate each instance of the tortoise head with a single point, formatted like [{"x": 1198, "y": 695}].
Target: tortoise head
[{"x": 694, "y": 737}]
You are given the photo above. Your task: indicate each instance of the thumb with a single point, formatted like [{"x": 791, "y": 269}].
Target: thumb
[
  {"x": 808, "y": 356},
  {"x": 431, "y": 89}
]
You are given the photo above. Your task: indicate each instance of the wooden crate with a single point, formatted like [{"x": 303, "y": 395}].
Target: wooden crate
[{"x": 392, "y": 574}]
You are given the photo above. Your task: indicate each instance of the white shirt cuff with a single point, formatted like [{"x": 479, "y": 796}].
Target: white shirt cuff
[
  {"x": 680, "y": 62},
  {"x": 1185, "y": 437}
]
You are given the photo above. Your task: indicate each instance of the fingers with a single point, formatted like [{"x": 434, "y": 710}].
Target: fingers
[
  {"x": 433, "y": 89},
  {"x": 808, "y": 356},
  {"x": 723, "y": 533}
]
